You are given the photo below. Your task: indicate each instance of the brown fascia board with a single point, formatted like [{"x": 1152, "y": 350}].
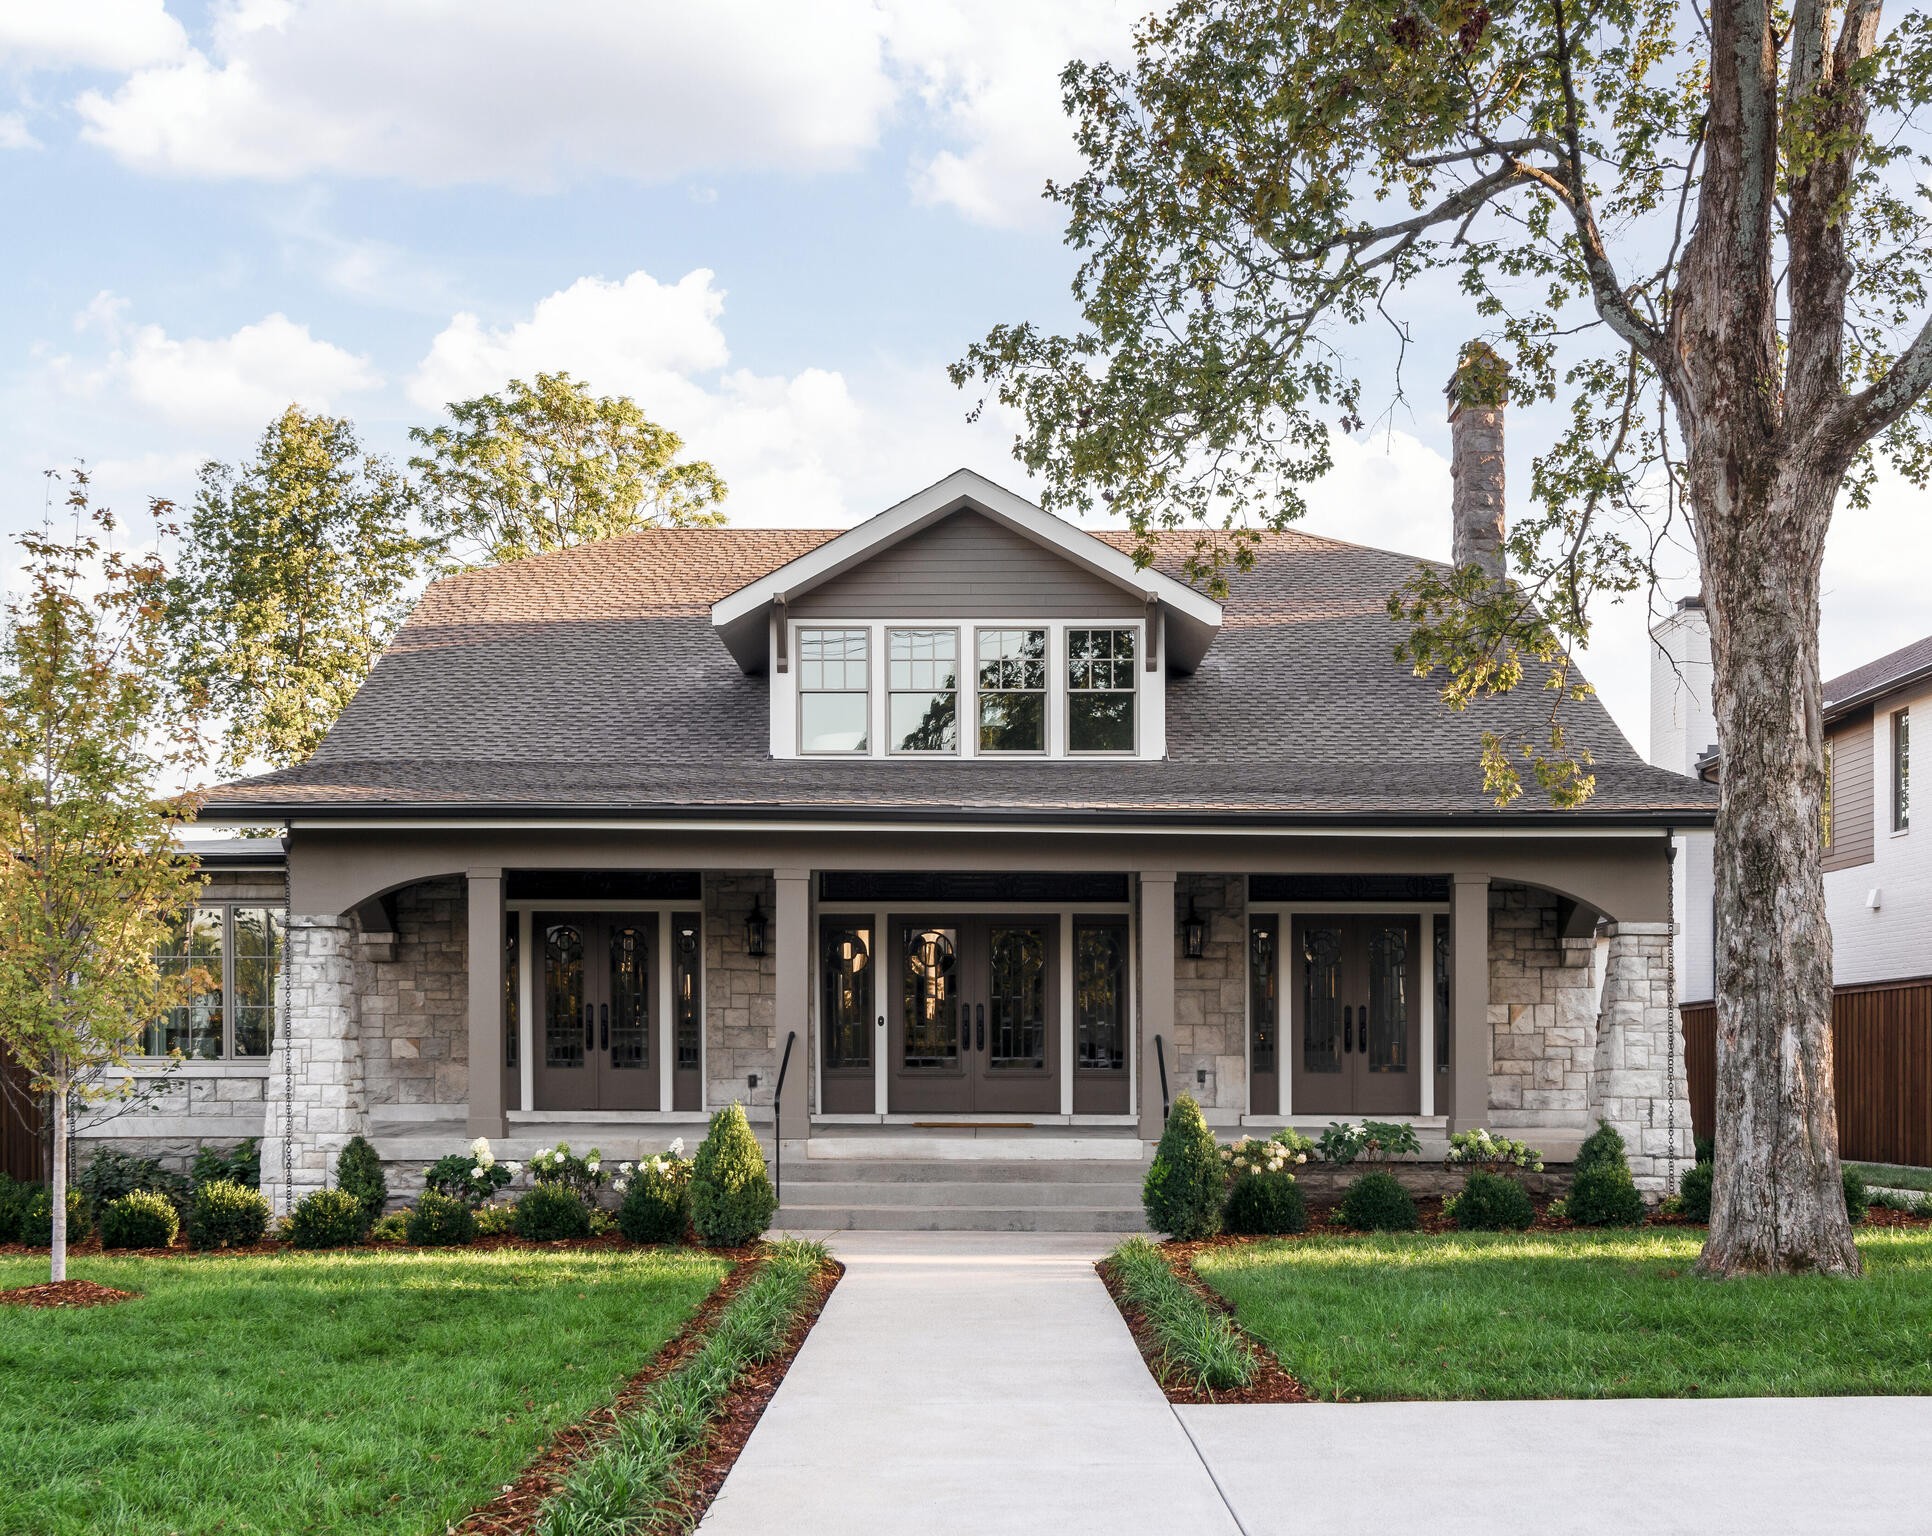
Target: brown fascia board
[{"x": 1686, "y": 817}]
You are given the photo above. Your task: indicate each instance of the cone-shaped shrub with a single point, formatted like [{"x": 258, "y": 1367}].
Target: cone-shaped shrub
[
  {"x": 358, "y": 1171},
  {"x": 139, "y": 1219},
  {"x": 1187, "y": 1182},
  {"x": 731, "y": 1196},
  {"x": 1602, "y": 1148}
]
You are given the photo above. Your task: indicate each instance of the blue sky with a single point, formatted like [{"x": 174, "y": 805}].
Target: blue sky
[{"x": 773, "y": 222}]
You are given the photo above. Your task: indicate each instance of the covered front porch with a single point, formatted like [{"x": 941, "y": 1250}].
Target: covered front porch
[{"x": 954, "y": 994}]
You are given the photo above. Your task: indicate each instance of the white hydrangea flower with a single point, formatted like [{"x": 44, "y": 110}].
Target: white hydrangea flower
[
  {"x": 480, "y": 1148},
  {"x": 677, "y": 1146},
  {"x": 542, "y": 1155},
  {"x": 623, "y": 1167},
  {"x": 514, "y": 1169},
  {"x": 477, "y": 1171}
]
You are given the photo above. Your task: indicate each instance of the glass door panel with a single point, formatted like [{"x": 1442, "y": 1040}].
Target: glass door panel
[
  {"x": 930, "y": 1000},
  {"x": 1321, "y": 990},
  {"x": 1100, "y": 1018},
  {"x": 1387, "y": 1025},
  {"x": 687, "y": 1010},
  {"x": 564, "y": 1073},
  {"x": 1015, "y": 999},
  {"x": 631, "y": 966},
  {"x": 846, "y": 1016},
  {"x": 1264, "y": 1016}
]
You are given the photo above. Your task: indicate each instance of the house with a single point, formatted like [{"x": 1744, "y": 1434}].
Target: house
[{"x": 954, "y": 833}]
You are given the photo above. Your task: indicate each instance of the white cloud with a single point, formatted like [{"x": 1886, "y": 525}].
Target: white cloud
[
  {"x": 501, "y": 90},
  {"x": 988, "y": 74},
  {"x": 88, "y": 34},
  {"x": 14, "y": 133},
  {"x": 212, "y": 382}
]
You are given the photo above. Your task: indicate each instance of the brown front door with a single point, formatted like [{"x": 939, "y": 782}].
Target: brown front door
[
  {"x": 597, "y": 1011},
  {"x": 848, "y": 1021},
  {"x": 974, "y": 1016},
  {"x": 1356, "y": 1014}
]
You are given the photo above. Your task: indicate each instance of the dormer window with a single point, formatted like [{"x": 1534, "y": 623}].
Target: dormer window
[
  {"x": 1012, "y": 690},
  {"x": 834, "y": 690},
  {"x": 922, "y": 690},
  {"x": 1100, "y": 690}
]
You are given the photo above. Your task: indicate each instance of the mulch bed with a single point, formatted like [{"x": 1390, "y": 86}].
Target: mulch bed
[
  {"x": 91, "y": 1248},
  {"x": 1269, "y": 1384},
  {"x": 65, "y": 1293},
  {"x": 703, "y": 1469}
]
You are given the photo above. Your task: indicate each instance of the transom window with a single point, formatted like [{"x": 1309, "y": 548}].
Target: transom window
[
  {"x": 1012, "y": 690},
  {"x": 834, "y": 690},
  {"x": 235, "y": 953},
  {"x": 1100, "y": 690},
  {"x": 922, "y": 690}
]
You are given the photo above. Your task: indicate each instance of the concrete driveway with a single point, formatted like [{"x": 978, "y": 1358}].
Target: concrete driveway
[{"x": 983, "y": 1382}]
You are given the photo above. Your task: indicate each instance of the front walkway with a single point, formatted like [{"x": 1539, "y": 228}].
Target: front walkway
[{"x": 983, "y": 1383}]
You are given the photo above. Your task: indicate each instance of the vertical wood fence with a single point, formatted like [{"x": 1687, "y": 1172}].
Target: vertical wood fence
[
  {"x": 1881, "y": 1047},
  {"x": 23, "y": 1147}
]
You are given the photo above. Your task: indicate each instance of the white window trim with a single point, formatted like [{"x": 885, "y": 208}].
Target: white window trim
[
  {"x": 1904, "y": 712},
  {"x": 962, "y": 691},
  {"x": 873, "y": 689},
  {"x": 1150, "y": 690}
]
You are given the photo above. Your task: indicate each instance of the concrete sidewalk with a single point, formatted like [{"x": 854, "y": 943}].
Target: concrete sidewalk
[
  {"x": 983, "y": 1382},
  {"x": 970, "y": 1383}
]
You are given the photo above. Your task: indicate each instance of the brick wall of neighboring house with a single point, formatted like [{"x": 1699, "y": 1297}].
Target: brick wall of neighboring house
[
  {"x": 414, "y": 1022},
  {"x": 741, "y": 995},
  {"x": 1542, "y": 1012},
  {"x": 197, "y": 1103},
  {"x": 1210, "y": 996}
]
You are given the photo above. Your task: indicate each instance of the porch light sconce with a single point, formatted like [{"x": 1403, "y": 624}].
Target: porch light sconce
[
  {"x": 1193, "y": 932},
  {"x": 755, "y": 928}
]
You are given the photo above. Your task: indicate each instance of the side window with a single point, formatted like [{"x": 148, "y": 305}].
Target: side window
[
  {"x": 834, "y": 690},
  {"x": 1901, "y": 770},
  {"x": 1012, "y": 690},
  {"x": 1100, "y": 690}
]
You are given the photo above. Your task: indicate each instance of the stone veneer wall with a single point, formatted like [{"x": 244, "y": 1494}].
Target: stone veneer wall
[
  {"x": 741, "y": 1002},
  {"x": 1211, "y": 996},
  {"x": 414, "y": 1021},
  {"x": 1633, "y": 1090},
  {"x": 1542, "y": 1013},
  {"x": 325, "y": 1039}
]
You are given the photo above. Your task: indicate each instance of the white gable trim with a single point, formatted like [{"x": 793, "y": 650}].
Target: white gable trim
[{"x": 959, "y": 490}]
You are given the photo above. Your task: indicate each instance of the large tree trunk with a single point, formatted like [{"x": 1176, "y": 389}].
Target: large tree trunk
[
  {"x": 1777, "y": 1203},
  {"x": 59, "y": 1149}
]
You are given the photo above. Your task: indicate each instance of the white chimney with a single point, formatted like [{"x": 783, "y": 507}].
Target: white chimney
[
  {"x": 1682, "y": 726},
  {"x": 1477, "y": 395}
]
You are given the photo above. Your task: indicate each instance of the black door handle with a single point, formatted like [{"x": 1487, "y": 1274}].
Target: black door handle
[
  {"x": 590, "y": 1026},
  {"x": 1348, "y": 1029},
  {"x": 603, "y": 1011},
  {"x": 982, "y": 1028}
]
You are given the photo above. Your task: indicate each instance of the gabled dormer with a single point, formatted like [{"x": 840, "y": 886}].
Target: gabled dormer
[{"x": 967, "y": 624}]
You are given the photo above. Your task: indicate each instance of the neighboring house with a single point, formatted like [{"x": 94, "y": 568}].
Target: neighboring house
[
  {"x": 1878, "y": 873},
  {"x": 999, "y": 838}
]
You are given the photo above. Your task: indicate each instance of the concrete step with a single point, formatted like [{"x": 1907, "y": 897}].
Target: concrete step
[
  {"x": 942, "y": 1171},
  {"x": 906, "y": 1218},
  {"x": 987, "y": 1195}
]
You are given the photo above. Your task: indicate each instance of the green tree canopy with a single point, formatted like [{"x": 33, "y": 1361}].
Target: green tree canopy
[
  {"x": 532, "y": 469},
  {"x": 92, "y": 883},
  {"x": 295, "y": 569},
  {"x": 1700, "y": 228}
]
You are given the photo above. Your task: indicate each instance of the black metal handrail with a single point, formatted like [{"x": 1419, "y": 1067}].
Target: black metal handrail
[
  {"x": 1160, "y": 1060},
  {"x": 778, "y": 1120}
]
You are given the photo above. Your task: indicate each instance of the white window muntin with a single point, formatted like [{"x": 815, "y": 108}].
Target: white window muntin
[
  {"x": 1102, "y": 672},
  {"x": 1149, "y": 708},
  {"x": 923, "y": 679},
  {"x": 834, "y": 669}
]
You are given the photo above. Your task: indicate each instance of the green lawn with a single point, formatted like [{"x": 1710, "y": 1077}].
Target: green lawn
[
  {"x": 1893, "y": 1176},
  {"x": 344, "y": 1392},
  {"x": 1576, "y": 1314}
]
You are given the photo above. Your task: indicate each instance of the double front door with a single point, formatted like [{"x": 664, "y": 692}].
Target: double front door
[
  {"x": 972, "y": 1015},
  {"x": 606, "y": 1017},
  {"x": 1352, "y": 983}
]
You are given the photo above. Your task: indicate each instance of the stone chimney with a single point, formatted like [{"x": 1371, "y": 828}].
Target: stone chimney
[{"x": 1477, "y": 395}]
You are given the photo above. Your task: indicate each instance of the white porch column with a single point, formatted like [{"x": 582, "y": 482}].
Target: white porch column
[
  {"x": 1469, "y": 1046},
  {"x": 793, "y": 933},
  {"x": 314, "y": 1091},
  {"x": 486, "y": 1002},
  {"x": 1632, "y": 1088},
  {"x": 1156, "y": 993}
]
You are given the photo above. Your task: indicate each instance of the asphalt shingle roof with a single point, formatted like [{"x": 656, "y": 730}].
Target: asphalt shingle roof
[
  {"x": 592, "y": 679},
  {"x": 1861, "y": 682}
]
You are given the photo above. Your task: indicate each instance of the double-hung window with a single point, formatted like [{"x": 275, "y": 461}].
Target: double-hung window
[
  {"x": 922, "y": 690},
  {"x": 834, "y": 690},
  {"x": 235, "y": 955},
  {"x": 1901, "y": 770},
  {"x": 1100, "y": 690},
  {"x": 1012, "y": 690}
]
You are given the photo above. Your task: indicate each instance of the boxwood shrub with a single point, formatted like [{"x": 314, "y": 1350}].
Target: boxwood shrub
[
  {"x": 1605, "y": 1196},
  {"x": 657, "y": 1203},
  {"x": 225, "y": 1214},
  {"x": 13, "y": 1197},
  {"x": 37, "y": 1217},
  {"x": 1694, "y": 1193},
  {"x": 358, "y": 1172},
  {"x": 326, "y": 1218},
  {"x": 140, "y": 1219},
  {"x": 1269, "y": 1202},
  {"x": 731, "y": 1195},
  {"x": 440, "y": 1221},
  {"x": 1603, "y": 1147},
  {"x": 1377, "y": 1202},
  {"x": 1186, "y": 1185},
  {"x": 550, "y": 1213},
  {"x": 1490, "y": 1202}
]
